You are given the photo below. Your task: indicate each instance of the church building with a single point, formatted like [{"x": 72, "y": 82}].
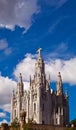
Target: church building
[{"x": 41, "y": 104}]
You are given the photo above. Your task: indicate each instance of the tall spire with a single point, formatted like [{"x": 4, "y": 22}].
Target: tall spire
[
  {"x": 39, "y": 68},
  {"x": 20, "y": 78},
  {"x": 59, "y": 87},
  {"x": 20, "y": 84},
  {"x": 66, "y": 94},
  {"x": 30, "y": 79},
  {"x": 13, "y": 93},
  {"x": 49, "y": 79}
]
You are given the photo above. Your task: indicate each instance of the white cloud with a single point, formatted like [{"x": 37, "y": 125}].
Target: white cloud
[
  {"x": 6, "y": 107},
  {"x": 26, "y": 67},
  {"x": 17, "y": 12},
  {"x": 6, "y": 87},
  {"x": 3, "y": 44},
  {"x": 66, "y": 67},
  {"x": 2, "y": 114}
]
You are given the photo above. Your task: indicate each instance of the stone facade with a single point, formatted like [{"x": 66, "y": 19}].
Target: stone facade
[{"x": 39, "y": 103}]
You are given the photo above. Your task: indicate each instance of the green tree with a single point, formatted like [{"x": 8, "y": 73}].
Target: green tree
[
  {"x": 15, "y": 124},
  {"x": 5, "y": 126},
  {"x": 73, "y": 122},
  {"x": 28, "y": 125}
]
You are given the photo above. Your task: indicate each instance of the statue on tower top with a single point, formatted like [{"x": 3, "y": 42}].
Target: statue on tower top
[{"x": 39, "y": 52}]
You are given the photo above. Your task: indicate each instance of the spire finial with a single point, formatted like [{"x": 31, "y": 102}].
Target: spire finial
[
  {"x": 59, "y": 74},
  {"x": 39, "y": 52},
  {"x": 20, "y": 77},
  {"x": 20, "y": 73}
]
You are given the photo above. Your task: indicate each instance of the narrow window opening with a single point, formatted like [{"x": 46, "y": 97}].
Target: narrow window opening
[
  {"x": 15, "y": 113},
  {"x": 34, "y": 107},
  {"x": 43, "y": 122},
  {"x": 43, "y": 107}
]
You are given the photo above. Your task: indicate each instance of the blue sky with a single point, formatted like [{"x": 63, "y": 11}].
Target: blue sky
[{"x": 24, "y": 27}]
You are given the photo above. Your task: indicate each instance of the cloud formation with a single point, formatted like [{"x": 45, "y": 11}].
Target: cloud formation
[
  {"x": 52, "y": 67},
  {"x": 6, "y": 87},
  {"x": 26, "y": 67},
  {"x": 17, "y": 12},
  {"x": 2, "y": 114}
]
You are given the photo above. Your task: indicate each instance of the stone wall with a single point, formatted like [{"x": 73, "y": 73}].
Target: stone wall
[
  {"x": 36, "y": 127},
  {"x": 47, "y": 127}
]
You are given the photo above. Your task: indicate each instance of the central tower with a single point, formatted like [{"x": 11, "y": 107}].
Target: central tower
[
  {"x": 40, "y": 93},
  {"x": 39, "y": 69}
]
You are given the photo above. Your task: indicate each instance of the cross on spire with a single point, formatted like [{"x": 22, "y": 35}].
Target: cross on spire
[{"x": 39, "y": 52}]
